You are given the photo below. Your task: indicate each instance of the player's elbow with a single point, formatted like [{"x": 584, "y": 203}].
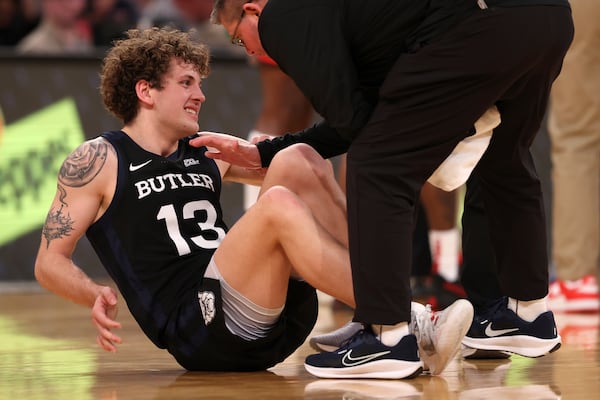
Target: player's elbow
[{"x": 40, "y": 271}]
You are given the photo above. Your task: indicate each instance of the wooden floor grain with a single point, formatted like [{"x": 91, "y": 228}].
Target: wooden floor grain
[{"x": 48, "y": 351}]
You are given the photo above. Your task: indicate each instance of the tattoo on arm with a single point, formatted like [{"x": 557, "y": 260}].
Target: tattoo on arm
[
  {"x": 83, "y": 164},
  {"x": 62, "y": 194},
  {"x": 57, "y": 224}
]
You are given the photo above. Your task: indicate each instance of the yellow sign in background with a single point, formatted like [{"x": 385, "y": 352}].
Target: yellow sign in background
[{"x": 32, "y": 150}]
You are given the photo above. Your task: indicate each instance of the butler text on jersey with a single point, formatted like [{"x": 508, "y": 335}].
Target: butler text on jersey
[{"x": 172, "y": 182}]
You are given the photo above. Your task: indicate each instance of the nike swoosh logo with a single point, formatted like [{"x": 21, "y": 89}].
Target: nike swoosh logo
[
  {"x": 133, "y": 168},
  {"x": 348, "y": 361},
  {"x": 497, "y": 332}
]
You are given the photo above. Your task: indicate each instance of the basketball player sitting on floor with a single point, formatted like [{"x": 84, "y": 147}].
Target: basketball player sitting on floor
[{"x": 149, "y": 203}]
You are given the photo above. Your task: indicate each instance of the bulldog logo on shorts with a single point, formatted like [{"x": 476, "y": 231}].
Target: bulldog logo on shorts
[{"x": 207, "y": 305}]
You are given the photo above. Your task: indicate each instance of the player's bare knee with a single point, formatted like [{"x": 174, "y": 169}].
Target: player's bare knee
[
  {"x": 277, "y": 194},
  {"x": 279, "y": 202},
  {"x": 301, "y": 161}
]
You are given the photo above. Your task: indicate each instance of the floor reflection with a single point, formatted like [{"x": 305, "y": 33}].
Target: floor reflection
[{"x": 48, "y": 352}]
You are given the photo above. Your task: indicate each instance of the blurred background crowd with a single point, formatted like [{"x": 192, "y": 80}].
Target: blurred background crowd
[{"x": 79, "y": 26}]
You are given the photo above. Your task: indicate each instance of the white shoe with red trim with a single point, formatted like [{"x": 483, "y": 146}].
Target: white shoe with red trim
[{"x": 574, "y": 296}]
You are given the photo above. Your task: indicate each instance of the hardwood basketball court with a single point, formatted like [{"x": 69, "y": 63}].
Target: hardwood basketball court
[{"x": 48, "y": 351}]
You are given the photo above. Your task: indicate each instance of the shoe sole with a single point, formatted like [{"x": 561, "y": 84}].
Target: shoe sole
[
  {"x": 382, "y": 369},
  {"x": 469, "y": 353},
  {"x": 450, "y": 331},
  {"x": 523, "y": 345}
]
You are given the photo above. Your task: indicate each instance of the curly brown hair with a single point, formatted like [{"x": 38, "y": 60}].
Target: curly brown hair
[{"x": 145, "y": 54}]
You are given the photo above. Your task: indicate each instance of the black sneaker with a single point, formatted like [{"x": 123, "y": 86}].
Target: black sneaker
[
  {"x": 501, "y": 330},
  {"x": 364, "y": 356}
]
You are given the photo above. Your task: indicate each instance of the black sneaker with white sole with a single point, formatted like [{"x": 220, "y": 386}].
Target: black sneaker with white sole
[
  {"x": 439, "y": 334},
  {"x": 501, "y": 330},
  {"x": 364, "y": 356}
]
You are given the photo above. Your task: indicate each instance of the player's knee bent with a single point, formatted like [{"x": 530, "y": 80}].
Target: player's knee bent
[
  {"x": 301, "y": 161},
  {"x": 280, "y": 203},
  {"x": 277, "y": 196}
]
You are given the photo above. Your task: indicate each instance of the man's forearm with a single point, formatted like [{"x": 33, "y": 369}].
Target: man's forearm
[
  {"x": 324, "y": 139},
  {"x": 62, "y": 277}
]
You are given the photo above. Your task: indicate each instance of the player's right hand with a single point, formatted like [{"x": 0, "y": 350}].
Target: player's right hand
[{"x": 104, "y": 314}]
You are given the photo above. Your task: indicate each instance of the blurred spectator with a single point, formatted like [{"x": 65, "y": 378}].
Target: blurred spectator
[
  {"x": 196, "y": 14},
  {"x": 17, "y": 19},
  {"x": 437, "y": 249},
  {"x": 574, "y": 130},
  {"x": 188, "y": 14},
  {"x": 110, "y": 19},
  {"x": 158, "y": 13},
  {"x": 284, "y": 109},
  {"x": 62, "y": 29}
]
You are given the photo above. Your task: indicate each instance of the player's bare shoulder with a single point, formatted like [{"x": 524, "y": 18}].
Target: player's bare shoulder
[{"x": 86, "y": 162}]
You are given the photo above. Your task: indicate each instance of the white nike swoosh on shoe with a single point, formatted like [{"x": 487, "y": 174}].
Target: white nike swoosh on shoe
[
  {"x": 497, "y": 332},
  {"x": 133, "y": 168},
  {"x": 348, "y": 361}
]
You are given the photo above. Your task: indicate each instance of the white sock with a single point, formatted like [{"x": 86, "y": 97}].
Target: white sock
[
  {"x": 250, "y": 195},
  {"x": 251, "y": 191},
  {"x": 528, "y": 310},
  {"x": 390, "y": 335},
  {"x": 444, "y": 245}
]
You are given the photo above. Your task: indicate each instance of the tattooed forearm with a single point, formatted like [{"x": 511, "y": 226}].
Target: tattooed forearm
[
  {"x": 83, "y": 164},
  {"x": 57, "y": 225},
  {"x": 62, "y": 193}
]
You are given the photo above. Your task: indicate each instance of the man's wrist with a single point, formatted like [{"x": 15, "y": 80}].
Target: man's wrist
[{"x": 266, "y": 150}]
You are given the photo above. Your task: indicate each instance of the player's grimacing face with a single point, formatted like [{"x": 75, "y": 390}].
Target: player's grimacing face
[{"x": 181, "y": 97}]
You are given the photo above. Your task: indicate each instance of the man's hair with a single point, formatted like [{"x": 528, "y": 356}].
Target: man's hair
[
  {"x": 145, "y": 55},
  {"x": 226, "y": 10}
]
